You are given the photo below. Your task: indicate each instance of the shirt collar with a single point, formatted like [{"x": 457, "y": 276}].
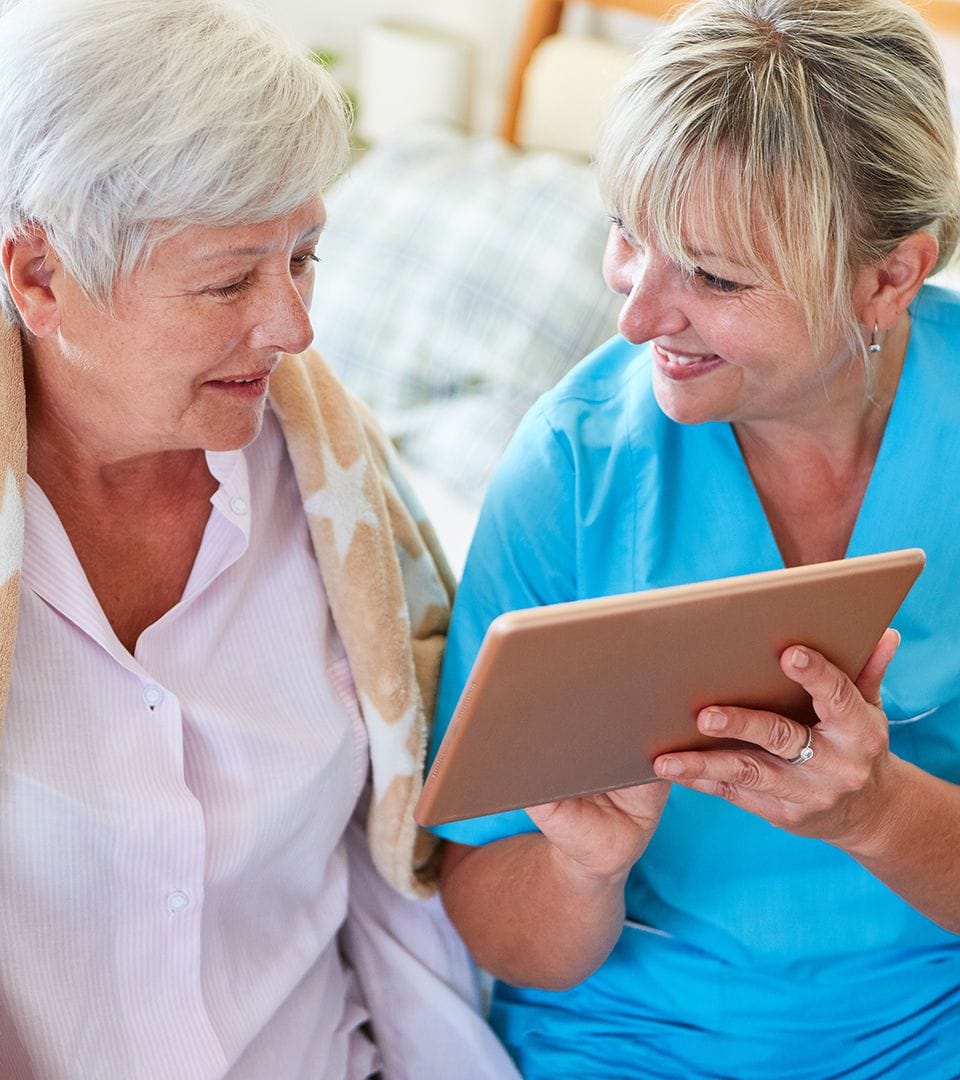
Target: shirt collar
[
  {"x": 51, "y": 568},
  {"x": 232, "y": 497}
]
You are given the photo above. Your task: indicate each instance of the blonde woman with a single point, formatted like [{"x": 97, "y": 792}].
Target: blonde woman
[
  {"x": 220, "y": 613},
  {"x": 781, "y": 180}
]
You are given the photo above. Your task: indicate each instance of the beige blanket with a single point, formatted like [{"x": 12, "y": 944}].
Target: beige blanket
[{"x": 388, "y": 585}]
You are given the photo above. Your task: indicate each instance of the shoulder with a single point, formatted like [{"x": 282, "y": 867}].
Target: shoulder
[
  {"x": 601, "y": 420},
  {"x": 311, "y": 403},
  {"x": 324, "y": 425},
  {"x": 605, "y": 388},
  {"x": 601, "y": 406},
  {"x": 935, "y": 310},
  {"x": 565, "y": 486},
  {"x": 929, "y": 382},
  {"x": 305, "y": 383}
]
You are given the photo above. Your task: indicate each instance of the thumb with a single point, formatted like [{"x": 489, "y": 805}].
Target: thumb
[{"x": 869, "y": 680}]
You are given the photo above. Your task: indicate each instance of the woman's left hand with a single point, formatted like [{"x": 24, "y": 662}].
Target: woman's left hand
[{"x": 829, "y": 795}]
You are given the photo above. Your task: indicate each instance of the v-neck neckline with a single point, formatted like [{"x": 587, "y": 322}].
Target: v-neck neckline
[{"x": 885, "y": 472}]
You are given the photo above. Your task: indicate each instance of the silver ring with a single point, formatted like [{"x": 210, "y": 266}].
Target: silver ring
[{"x": 806, "y": 753}]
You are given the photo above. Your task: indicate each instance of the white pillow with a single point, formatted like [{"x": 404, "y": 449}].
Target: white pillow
[
  {"x": 567, "y": 90},
  {"x": 459, "y": 279}
]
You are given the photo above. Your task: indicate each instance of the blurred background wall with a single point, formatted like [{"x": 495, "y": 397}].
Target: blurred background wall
[{"x": 490, "y": 28}]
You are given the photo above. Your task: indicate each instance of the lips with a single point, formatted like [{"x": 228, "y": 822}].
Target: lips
[
  {"x": 679, "y": 366},
  {"x": 249, "y": 386},
  {"x": 684, "y": 359},
  {"x": 242, "y": 379}
]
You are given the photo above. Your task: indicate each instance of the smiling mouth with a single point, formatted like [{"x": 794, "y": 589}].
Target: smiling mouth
[{"x": 683, "y": 360}]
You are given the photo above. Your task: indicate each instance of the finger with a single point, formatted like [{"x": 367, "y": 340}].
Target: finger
[
  {"x": 643, "y": 801},
  {"x": 869, "y": 680},
  {"x": 774, "y": 733},
  {"x": 835, "y": 697},
  {"x": 782, "y": 795},
  {"x": 743, "y": 770},
  {"x": 773, "y": 807}
]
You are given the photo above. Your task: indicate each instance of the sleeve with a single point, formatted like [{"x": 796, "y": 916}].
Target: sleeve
[{"x": 523, "y": 555}]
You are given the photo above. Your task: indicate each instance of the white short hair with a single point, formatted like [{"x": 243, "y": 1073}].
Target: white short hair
[{"x": 124, "y": 121}]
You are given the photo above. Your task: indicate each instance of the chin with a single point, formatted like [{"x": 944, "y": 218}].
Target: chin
[
  {"x": 687, "y": 412},
  {"x": 236, "y": 437}
]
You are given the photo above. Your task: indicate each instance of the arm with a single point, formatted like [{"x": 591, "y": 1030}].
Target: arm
[
  {"x": 900, "y": 823},
  {"x": 545, "y": 909},
  {"x": 541, "y": 908},
  {"x": 914, "y": 845}
]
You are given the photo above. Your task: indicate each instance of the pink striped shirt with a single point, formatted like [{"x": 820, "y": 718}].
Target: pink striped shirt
[{"x": 172, "y": 863}]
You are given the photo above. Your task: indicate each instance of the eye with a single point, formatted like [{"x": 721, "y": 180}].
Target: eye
[
  {"x": 625, "y": 234},
  {"x": 230, "y": 290},
  {"x": 718, "y": 284},
  {"x": 301, "y": 263}
]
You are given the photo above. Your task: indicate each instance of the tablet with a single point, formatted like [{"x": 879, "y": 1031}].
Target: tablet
[{"x": 577, "y": 698}]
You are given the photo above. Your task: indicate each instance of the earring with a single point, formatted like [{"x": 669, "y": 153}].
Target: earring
[{"x": 874, "y": 346}]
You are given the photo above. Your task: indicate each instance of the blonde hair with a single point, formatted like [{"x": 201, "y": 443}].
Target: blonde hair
[
  {"x": 124, "y": 121},
  {"x": 807, "y": 138}
]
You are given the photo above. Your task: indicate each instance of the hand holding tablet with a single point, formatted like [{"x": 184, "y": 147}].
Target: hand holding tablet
[{"x": 581, "y": 697}]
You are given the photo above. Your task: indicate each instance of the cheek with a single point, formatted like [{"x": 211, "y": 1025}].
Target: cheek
[
  {"x": 83, "y": 330},
  {"x": 198, "y": 336},
  {"x": 753, "y": 339}
]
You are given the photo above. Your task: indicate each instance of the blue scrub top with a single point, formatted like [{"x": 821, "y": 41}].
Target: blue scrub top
[{"x": 747, "y": 952}]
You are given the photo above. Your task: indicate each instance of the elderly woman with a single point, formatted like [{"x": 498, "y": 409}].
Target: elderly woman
[
  {"x": 781, "y": 180},
  {"x": 216, "y": 605}
]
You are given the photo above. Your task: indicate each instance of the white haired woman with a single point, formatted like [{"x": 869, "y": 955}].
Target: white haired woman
[
  {"x": 217, "y": 605},
  {"x": 781, "y": 178}
]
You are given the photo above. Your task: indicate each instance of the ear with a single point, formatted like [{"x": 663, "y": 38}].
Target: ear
[
  {"x": 886, "y": 289},
  {"x": 31, "y": 264}
]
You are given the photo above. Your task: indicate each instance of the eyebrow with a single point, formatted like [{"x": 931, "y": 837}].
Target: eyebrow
[
  {"x": 699, "y": 253},
  {"x": 718, "y": 256},
  {"x": 264, "y": 249}
]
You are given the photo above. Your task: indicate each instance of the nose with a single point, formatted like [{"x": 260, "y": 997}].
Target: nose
[
  {"x": 650, "y": 282},
  {"x": 283, "y": 322}
]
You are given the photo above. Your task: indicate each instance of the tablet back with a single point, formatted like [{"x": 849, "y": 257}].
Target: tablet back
[{"x": 580, "y": 697}]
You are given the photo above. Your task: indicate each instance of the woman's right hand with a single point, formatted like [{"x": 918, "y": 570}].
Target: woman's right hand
[
  {"x": 545, "y": 908},
  {"x": 603, "y": 835}
]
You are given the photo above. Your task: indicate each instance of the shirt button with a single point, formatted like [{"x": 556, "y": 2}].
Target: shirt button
[
  {"x": 238, "y": 504},
  {"x": 177, "y": 901},
  {"x": 152, "y": 696}
]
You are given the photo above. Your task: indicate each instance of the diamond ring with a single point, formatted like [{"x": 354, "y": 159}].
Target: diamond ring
[{"x": 806, "y": 753}]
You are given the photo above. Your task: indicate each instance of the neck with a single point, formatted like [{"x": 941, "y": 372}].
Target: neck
[
  {"x": 812, "y": 472},
  {"x": 843, "y": 432}
]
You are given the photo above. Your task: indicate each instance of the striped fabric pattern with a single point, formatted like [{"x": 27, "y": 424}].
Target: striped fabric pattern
[
  {"x": 176, "y": 885},
  {"x": 13, "y": 472}
]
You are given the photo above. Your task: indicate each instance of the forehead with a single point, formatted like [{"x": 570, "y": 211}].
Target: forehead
[
  {"x": 208, "y": 244},
  {"x": 705, "y": 214},
  {"x": 708, "y": 228}
]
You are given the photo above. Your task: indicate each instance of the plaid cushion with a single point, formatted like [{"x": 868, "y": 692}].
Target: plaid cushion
[{"x": 460, "y": 278}]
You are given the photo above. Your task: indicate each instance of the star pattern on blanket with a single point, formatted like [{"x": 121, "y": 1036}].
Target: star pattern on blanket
[
  {"x": 11, "y": 528},
  {"x": 422, "y": 590},
  {"x": 342, "y": 501},
  {"x": 389, "y": 744}
]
